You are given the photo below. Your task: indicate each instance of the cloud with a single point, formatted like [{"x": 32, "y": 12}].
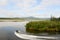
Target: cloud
[
  {"x": 3, "y": 2},
  {"x": 38, "y": 8}
]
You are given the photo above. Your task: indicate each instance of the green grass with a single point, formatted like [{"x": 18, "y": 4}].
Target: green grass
[
  {"x": 43, "y": 26},
  {"x": 11, "y": 19}
]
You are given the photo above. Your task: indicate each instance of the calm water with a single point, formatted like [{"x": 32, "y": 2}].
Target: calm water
[{"x": 7, "y": 30}]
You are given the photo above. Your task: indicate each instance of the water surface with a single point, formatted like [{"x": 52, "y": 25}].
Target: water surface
[{"x": 7, "y": 30}]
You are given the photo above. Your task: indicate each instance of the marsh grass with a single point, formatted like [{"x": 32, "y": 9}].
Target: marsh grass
[{"x": 43, "y": 26}]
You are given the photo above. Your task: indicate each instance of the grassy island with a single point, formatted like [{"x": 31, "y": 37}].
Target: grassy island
[{"x": 52, "y": 25}]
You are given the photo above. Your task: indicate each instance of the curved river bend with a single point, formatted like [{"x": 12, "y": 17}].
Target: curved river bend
[{"x": 7, "y": 30}]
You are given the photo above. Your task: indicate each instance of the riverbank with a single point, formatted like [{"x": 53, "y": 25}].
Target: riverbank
[{"x": 17, "y": 19}]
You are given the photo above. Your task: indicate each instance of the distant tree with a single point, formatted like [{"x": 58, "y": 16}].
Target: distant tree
[
  {"x": 59, "y": 18},
  {"x": 53, "y": 19}
]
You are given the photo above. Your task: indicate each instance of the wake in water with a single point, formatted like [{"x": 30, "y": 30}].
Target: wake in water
[{"x": 32, "y": 37}]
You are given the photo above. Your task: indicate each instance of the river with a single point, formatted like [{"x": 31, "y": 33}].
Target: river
[{"x": 7, "y": 30}]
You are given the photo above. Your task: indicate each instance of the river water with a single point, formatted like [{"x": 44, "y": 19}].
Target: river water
[{"x": 7, "y": 30}]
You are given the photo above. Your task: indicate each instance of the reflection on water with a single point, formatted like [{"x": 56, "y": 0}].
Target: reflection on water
[{"x": 7, "y": 30}]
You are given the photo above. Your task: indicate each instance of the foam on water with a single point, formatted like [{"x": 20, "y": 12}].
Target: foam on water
[{"x": 31, "y": 37}]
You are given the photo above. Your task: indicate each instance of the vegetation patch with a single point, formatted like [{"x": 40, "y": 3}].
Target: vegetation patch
[{"x": 43, "y": 26}]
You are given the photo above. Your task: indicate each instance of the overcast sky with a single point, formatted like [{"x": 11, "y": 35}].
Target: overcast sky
[{"x": 25, "y": 8}]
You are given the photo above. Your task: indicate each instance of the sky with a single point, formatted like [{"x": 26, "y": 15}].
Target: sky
[{"x": 26, "y": 8}]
